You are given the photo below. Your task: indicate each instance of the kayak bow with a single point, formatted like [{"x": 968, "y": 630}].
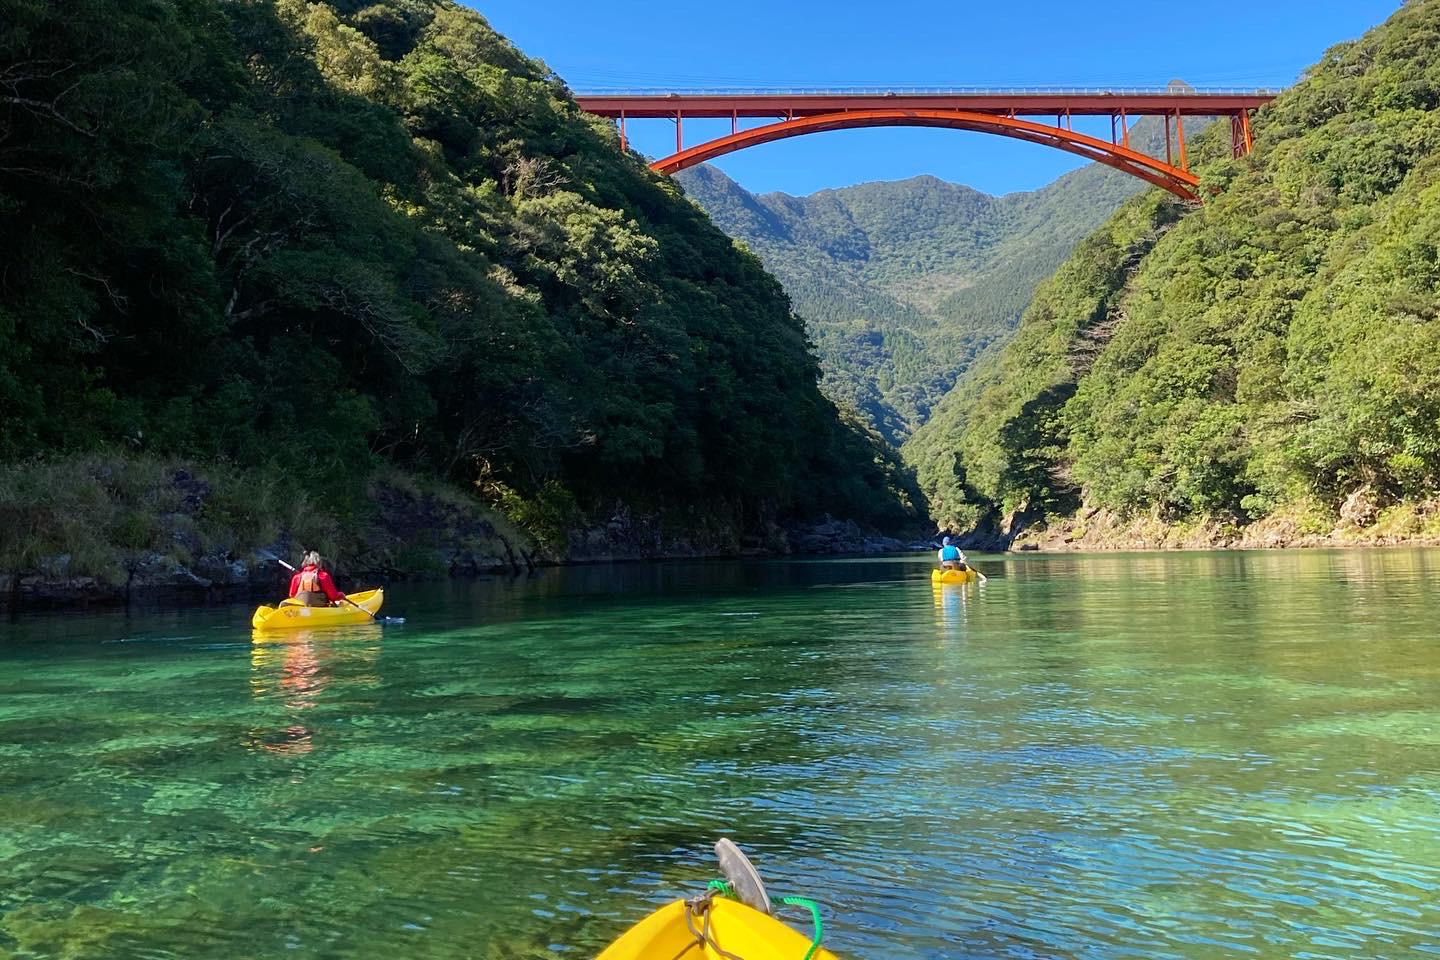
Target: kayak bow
[
  {"x": 726, "y": 927},
  {"x": 731, "y": 920}
]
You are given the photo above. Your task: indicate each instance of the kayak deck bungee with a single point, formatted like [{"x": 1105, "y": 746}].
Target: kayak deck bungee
[
  {"x": 712, "y": 929},
  {"x": 290, "y": 615},
  {"x": 954, "y": 576}
]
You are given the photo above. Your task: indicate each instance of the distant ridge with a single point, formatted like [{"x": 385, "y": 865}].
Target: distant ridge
[{"x": 904, "y": 284}]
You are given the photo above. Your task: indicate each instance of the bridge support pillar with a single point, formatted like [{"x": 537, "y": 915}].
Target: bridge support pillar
[
  {"x": 1180, "y": 138},
  {"x": 1242, "y": 141}
]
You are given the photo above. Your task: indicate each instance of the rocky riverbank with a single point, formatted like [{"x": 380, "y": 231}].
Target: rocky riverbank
[
  {"x": 157, "y": 579},
  {"x": 114, "y": 531},
  {"x": 121, "y": 531},
  {"x": 1365, "y": 519}
]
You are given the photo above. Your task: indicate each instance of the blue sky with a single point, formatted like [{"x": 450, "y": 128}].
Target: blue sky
[{"x": 598, "y": 44}]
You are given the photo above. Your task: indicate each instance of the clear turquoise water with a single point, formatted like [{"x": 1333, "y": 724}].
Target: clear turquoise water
[{"x": 1200, "y": 755}]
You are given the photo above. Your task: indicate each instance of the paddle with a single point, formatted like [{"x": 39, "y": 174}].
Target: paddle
[{"x": 266, "y": 553}]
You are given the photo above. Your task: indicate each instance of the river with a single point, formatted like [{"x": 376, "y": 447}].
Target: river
[{"x": 1107, "y": 756}]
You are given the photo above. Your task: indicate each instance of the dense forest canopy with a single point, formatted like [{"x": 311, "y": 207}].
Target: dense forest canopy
[
  {"x": 1275, "y": 351},
  {"x": 333, "y": 235}
]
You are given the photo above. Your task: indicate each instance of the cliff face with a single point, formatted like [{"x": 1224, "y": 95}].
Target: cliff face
[{"x": 1273, "y": 354}]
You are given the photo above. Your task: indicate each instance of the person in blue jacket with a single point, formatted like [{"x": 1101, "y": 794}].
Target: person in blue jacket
[{"x": 951, "y": 557}]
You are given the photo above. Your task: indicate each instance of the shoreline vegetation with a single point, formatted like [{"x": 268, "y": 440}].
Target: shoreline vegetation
[
  {"x": 1365, "y": 525},
  {"x": 112, "y": 529}
]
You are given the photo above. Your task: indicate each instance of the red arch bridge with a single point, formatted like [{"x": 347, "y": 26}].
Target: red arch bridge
[{"x": 1045, "y": 117}]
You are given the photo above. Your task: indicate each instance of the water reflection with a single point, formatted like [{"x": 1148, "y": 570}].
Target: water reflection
[
  {"x": 292, "y": 673},
  {"x": 951, "y": 603}
]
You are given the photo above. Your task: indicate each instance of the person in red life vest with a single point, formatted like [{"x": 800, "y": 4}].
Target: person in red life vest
[{"x": 312, "y": 584}]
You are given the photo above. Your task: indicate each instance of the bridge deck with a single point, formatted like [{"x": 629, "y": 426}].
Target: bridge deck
[{"x": 1019, "y": 103}]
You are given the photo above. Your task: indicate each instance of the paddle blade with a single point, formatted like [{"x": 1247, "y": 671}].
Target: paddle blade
[{"x": 744, "y": 878}]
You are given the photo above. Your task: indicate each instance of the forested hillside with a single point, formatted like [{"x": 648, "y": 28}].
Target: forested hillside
[
  {"x": 317, "y": 239},
  {"x": 904, "y": 284},
  {"x": 1272, "y": 355}
]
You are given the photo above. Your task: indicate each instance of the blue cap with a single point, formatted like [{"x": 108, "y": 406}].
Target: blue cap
[{"x": 946, "y": 541}]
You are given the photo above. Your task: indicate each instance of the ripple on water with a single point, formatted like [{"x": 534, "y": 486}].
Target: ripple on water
[{"x": 1180, "y": 756}]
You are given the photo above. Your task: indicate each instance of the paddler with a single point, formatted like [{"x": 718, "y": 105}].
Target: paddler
[
  {"x": 951, "y": 557},
  {"x": 312, "y": 584}
]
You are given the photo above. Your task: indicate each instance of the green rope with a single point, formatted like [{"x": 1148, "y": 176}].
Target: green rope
[
  {"x": 814, "y": 909},
  {"x": 726, "y": 890}
]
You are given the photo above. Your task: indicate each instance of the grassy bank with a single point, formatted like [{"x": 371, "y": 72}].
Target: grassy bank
[{"x": 103, "y": 525}]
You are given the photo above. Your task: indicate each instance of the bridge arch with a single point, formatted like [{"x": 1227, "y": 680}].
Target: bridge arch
[{"x": 1176, "y": 180}]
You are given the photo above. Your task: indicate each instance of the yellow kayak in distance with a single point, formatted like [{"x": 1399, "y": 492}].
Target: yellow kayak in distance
[
  {"x": 954, "y": 576},
  {"x": 733, "y": 929},
  {"x": 295, "y": 616}
]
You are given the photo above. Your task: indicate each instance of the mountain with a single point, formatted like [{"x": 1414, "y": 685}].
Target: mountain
[
  {"x": 323, "y": 239},
  {"x": 904, "y": 284},
  {"x": 1271, "y": 356}
]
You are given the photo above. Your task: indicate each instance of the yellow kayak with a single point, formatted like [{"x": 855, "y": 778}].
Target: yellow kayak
[
  {"x": 296, "y": 616},
  {"x": 953, "y": 576},
  {"x": 732, "y": 927}
]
